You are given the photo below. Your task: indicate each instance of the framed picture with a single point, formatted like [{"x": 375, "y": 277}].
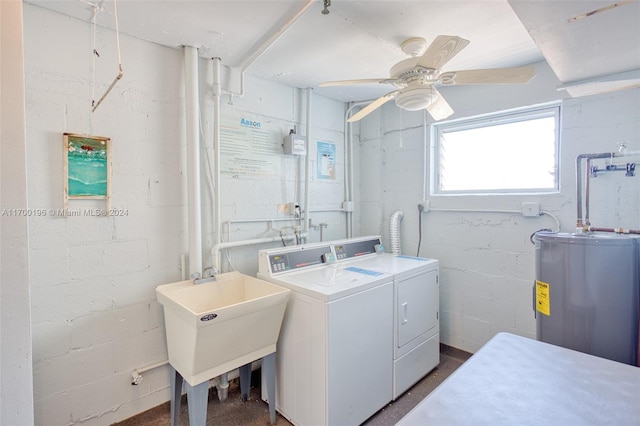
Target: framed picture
[{"x": 87, "y": 167}]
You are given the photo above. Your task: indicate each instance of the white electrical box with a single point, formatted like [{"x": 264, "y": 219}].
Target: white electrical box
[
  {"x": 530, "y": 209},
  {"x": 294, "y": 144}
]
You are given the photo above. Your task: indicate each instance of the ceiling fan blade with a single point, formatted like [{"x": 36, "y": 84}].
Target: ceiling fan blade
[
  {"x": 493, "y": 76},
  {"x": 439, "y": 109},
  {"x": 352, "y": 82},
  {"x": 442, "y": 49},
  {"x": 372, "y": 106}
]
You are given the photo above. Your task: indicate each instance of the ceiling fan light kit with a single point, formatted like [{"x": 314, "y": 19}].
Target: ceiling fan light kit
[
  {"x": 416, "y": 98},
  {"x": 415, "y": 78}
]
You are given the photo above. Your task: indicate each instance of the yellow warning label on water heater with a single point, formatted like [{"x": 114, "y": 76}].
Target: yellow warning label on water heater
[{"x": 542, "y": 297}]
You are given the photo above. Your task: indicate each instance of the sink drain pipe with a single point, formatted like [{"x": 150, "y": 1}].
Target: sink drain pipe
[{"x": 193, "y": 179}]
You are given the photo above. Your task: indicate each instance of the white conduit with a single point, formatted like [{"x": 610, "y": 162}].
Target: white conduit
[
  {"x": 193, "y": 160},
  {"x": 217, "y": 215},
  {"x": 307, "y": 169},
  {"x": 425, "y": 153}
]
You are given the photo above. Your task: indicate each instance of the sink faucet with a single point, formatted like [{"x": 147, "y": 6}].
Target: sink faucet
[{"x": 209, "y": 275}]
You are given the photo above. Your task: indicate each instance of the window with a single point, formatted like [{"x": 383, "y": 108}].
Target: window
[{"x": 509, "y": 152}]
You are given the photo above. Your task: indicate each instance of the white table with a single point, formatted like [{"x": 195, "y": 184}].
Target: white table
[{"x": 513, "y": 380}]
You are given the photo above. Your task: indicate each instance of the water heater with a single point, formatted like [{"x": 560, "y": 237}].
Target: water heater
[{"x": 587, "y": 293}]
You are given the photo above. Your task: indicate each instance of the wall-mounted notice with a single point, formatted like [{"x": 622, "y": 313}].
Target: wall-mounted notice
[
  {"x": 326, "y": 160},
  {"x": 249, "y": 147}
]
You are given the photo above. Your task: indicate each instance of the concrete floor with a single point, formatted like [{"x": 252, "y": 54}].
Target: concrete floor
[{"x": 254, "y": 412}]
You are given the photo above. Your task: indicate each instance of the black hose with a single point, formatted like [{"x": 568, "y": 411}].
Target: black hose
[
  {"x": 535, "y": 232},
  {"x": 420, "y": 208}
]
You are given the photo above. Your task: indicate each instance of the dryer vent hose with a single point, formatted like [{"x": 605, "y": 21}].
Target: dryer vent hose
[{"x": 394, "y": 231}]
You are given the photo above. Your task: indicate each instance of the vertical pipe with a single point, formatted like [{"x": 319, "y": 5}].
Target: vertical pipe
[
  {"x": 307, "y": 167},
  {"x": 193, "y": 160},
  {"x": 425, "y": 142},
  {"x": 350, "y": 185},
  {"x": 217, "y": 93},
  {"x": 348, "y": 131},
  {"x": 587, "y": 173}
]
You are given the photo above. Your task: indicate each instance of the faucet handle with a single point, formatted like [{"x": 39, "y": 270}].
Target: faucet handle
[{"x": 210, "y": 271}]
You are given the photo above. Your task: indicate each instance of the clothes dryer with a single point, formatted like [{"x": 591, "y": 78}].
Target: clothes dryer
[
  {"x": 335, "y": 347},
  {"x": 416, "y": 342}
]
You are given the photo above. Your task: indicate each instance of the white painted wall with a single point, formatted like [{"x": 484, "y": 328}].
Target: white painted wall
[
  {"x": 93, "y": 279},
  {"x": 487, "y": 260},
  {"x": 255, "y": 197},
  {"x": 16, "y": 387}
]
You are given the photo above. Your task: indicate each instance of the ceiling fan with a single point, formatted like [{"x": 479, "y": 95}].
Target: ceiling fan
[{"x": 415, "y": 78}]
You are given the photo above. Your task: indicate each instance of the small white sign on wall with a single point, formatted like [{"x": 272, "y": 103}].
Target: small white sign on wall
[{"x": 326, "y": 160}]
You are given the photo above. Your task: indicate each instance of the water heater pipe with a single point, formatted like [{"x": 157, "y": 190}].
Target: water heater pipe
[
  {"x": 582, "y": 222},
  {"x": 194, "y": 203},
  {"x": 394, "y": 231}
]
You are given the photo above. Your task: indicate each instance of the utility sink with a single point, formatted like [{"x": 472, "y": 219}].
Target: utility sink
[{"x": 215, "y": 327}]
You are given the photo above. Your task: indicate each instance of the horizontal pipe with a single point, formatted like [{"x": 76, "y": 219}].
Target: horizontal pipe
[
  {"x": 281, "y": 219},
  {"x": 136, "y": 374},
  {"x": 614, "y": 230},
  {"x": 215, "y": 251},
  {"x": 253, "y": 57},
  {"x": 339, "y": 210}
]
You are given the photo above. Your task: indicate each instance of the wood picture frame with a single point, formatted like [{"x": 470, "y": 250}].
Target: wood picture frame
[{"x": 87, "y": 168}]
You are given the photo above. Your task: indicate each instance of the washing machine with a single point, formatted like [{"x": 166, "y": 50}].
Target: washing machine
[
  {"x": 416, "y": 338},
  {"x": 333, "y": 359}
]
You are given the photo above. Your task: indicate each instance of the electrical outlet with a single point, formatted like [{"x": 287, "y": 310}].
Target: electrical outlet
[
  {"x": 531, "y": 209},
  {"x": 423, "y": 206}
]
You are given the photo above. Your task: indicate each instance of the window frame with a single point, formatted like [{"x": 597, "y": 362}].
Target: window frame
[{"x": 553, "y": 109}]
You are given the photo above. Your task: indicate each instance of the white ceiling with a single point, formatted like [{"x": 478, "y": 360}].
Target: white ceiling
[{"x": 361, "y": 39}]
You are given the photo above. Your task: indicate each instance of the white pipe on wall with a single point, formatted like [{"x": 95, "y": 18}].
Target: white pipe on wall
[
  {"x": 193, "y": 159},
  {"x": 307, "y": 168},
  {"x": 222, "y": 381},
  {"x": 215, "y": 251},
  {"x": 217, "y": 215},
  {"x": 348, "y": 153},
  {"x": 267, "y": 43}
]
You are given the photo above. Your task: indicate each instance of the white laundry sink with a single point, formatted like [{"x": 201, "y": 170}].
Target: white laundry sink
[{"x": 215, "y": 327}]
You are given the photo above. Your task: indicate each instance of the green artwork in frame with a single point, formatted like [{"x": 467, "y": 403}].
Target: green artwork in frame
[{"x": 87, "y": 166}]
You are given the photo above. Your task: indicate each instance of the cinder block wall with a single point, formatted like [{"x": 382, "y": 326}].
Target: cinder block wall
[
  {"x": 93, "y": 307},
  {"x": 487, "y": 259}
]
